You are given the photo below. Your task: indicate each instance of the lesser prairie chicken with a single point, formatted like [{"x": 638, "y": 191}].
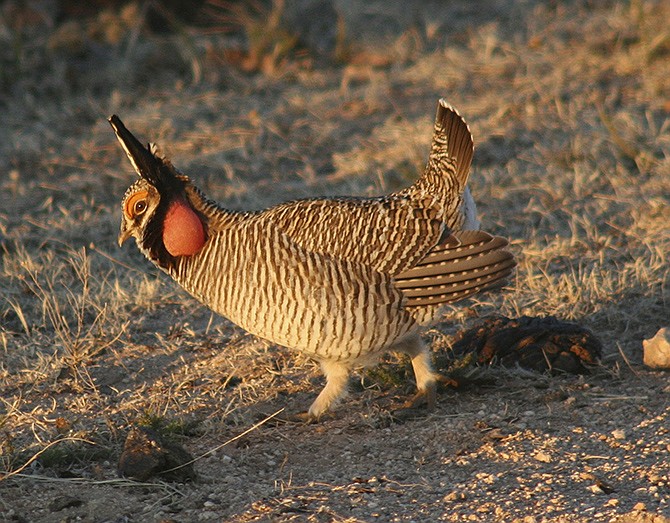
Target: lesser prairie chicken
[{"x": 341, "y": 279}]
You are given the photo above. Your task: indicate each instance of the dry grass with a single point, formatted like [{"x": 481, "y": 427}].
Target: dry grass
[
  {"x": 267, "y": 43},
  {"x": 570, "y": 107}
]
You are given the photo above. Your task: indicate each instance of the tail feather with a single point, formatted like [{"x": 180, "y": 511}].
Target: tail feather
[
  {"x": 446, "y": 173},
  {"x": 453, "y": 138}
]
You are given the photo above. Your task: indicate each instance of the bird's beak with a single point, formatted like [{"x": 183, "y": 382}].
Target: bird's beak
[{"x": 124, "y": 234}]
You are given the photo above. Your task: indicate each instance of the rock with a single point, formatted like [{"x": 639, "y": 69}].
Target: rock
[
  {"x": 146, "y": 453},
  {"x": 455, "y": 495},
  {"x": 543, "y": 457},
  {"x": 69, "y": 36},
  {"x": 375, "y": 25},
  {"x": 62, "y": 502},
  {"x": 637, "y": 516},
  {"x": 315, "y": 24},
  {"x": 619, "y": 434},
  {"x": 657, "y": 350}
]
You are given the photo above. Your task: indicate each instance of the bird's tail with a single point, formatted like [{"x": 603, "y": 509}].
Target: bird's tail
[
  {"x": 446, "y": 173},
  {"x": 451, "y": 151}
]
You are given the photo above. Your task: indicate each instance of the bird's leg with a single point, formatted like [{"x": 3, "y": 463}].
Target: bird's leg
[
  {"x": 426, "y": 377},
  {"x": 337, "y": 375}
]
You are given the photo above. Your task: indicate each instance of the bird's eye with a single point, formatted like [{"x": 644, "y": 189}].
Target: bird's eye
[
  {"x": 136, "y": 204},
  {"x": 140, "y": 207}
]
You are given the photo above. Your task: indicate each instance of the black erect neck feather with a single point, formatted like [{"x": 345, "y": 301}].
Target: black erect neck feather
[
  {"x": 163, "y": 177},
  {"x": 157, "y": 171}
]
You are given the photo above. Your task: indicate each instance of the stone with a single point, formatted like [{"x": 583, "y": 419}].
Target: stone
[
  {"x": 656, "y": 353},
  {"x": 146, "y": 453},
  {"x": 62, "y": 502}
]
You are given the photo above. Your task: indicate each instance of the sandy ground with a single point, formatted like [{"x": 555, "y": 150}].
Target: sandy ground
[{"x": 569, "y": 104}]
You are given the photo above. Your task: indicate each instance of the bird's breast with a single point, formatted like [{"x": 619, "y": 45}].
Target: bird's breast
[{"x": 271, "y": 287}]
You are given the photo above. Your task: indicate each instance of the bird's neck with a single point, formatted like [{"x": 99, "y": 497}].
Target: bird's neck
[{"x": 213, "y": 217}]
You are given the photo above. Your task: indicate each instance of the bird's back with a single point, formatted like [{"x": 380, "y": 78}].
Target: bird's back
[
  {"x": 391, "y": 233},
  {"x": 388, "y": 234}
]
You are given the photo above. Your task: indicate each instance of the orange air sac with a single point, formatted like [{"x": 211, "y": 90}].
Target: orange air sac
[{"x": 183, "y": 232}]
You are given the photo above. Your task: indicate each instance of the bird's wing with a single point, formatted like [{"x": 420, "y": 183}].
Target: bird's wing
[{"x": 461, "y": 265}]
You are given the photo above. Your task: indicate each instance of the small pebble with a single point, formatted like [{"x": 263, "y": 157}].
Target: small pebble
[
  {"x": 454, "y": 496},
  {"x": 595, "y": 489},
  {"x": 543, "y": 457}
]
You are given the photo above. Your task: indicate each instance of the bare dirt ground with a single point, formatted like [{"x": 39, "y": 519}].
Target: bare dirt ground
[{"x": 569, "y": 104}]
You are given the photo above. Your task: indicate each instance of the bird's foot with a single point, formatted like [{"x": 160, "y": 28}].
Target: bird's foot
[
  {"x": 413, "y": 408},
  {"x": 446, "y": 382},
  {"x": 427, "y": 397},
  {"x": 305, "y": 417},
  {"x": 424, "y": 401},
  {"x": 302, "y": 417}
]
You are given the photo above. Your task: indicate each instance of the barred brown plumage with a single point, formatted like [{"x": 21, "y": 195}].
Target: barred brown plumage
[{"x": 341, "y": 279}]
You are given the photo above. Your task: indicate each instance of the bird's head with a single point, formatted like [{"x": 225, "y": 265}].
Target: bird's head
[{"x": 156, "y": 209}]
